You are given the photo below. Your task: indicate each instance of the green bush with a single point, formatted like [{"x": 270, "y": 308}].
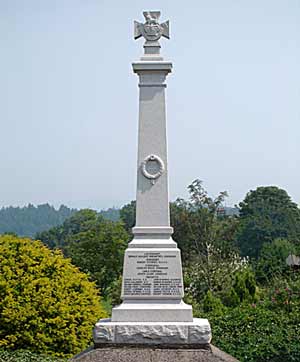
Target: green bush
[
  {"x": 245, "y": 285},
  {"x": 46, "y": 304},
  {"x": 255, "y": 333},
  {"x": 212, "y": 304},
  {"x": 114, "y": 292},
  {"x": 272, "y": 260},
  {"x": 253, "y": 329},
  {"x": 231, "y": 298},
  {"x": 267, "y": 330}
]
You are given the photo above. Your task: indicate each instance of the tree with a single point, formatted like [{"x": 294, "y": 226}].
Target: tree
[
  {"x": 46, "y": 304},
  {"x": 99, "y": 251},
  {"x": 56, "y": 237},
  {"x": 272, "y": 259},
  {"x": 94, "y": 244},
  {"x": 213, "y": 271},
  {"x": 127, "y": 215},
  {"x": 267, "y": 213},
  {"x": 198, "y": 224}
]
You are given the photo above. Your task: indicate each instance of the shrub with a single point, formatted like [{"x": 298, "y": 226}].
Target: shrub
[
  {"x": 114, "y": 292},
  {"x": 46, "y": 304},
  {"x": 253, "y": 329},
  {"x": 267, "y": 330},
  {"x": 272, "y": 260},
  {"x": 231, "y": 298},
  {"x": 212, "y": 304},
  {"x": 214, "y": 271},
  {"x": 245, "y": 286},
  {"x": 255, "y": 333}
]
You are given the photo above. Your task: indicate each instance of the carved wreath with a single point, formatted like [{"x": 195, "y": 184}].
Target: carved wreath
[{"x": 153, "y": 176}]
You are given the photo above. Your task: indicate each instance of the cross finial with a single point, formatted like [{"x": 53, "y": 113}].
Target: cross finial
[{"x": 152, "y": 31}]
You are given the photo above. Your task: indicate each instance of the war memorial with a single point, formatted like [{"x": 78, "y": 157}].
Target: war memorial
[{"x": 152, "y": 323}]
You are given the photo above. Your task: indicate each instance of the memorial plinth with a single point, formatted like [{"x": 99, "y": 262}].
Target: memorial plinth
[{"x": 152, "y": 311}]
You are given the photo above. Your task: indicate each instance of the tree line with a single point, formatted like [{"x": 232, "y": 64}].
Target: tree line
[
  {"x": 30, "y": 219},
  {"x": 234, "y": 265}
]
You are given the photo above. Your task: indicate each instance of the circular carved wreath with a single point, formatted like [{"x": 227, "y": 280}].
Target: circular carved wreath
[{"x": 153, "y": 176}]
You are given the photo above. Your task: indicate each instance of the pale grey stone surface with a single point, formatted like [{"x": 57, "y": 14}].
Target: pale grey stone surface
[
  {"x": 104, "y": 331},
  {"x": 152, "y": 237},
  {"x": 153, "y": 334},
  {"x": 152, "y": 311},
  {"x": 152, "y": 288},
  {"x": 199, "y": 332},
  {"x": 163, "y": 280},
  {"x": 152, "y": 200},
  {"x": 196, "y": 332},
  {"x": 152, "y": 31}
]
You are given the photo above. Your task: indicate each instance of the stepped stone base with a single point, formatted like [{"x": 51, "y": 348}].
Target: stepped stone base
[
  {"x": 206, "y": 353},
  {"x": 197, "y": 332}
]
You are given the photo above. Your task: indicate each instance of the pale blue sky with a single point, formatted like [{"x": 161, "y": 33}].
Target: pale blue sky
[{"x": 68, "y": 115}]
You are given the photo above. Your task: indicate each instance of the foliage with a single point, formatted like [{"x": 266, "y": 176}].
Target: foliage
[
  {"x": 99, "y": 251},
  {"x": 255, "y": 333},
  {"x": 217, "y": 273},
  {"x": 114, "y": 292},
  {"x": 127, "y": 215},
  {"x": 56, "y": 237},
  {"x": 26, "y": 356},
  {"x": 272, "y": 260},
  {"x": 265, "y": 330},
  {"x": 268, "y": 331},
  {"x": 199, "y": 197},
  {"x": 28, "y": 220},
  {"x": 46, "y": 304},
  {"x": 94, "y": 244},
  {"x": 266, "y": 214},
  {"x": 197, "y": 223},
  {"x": 244, "y": 285},
  {"x": 212, "y": 304}
]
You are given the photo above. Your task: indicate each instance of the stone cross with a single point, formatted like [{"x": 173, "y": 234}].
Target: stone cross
[{"x": 152, "y": 31}]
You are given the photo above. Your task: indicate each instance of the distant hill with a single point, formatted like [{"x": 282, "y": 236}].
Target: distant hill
[{"x": 28, "y": 220}]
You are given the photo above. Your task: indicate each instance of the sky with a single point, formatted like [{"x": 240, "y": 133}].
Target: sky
[{"x": 69, "y": 98}]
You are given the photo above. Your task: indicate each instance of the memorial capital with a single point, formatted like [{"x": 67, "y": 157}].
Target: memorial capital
[{"x": 151, "y": 31}]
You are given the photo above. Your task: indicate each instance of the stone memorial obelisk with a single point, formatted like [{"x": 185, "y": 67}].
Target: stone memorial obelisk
[{"x": 152, "y": 311}]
